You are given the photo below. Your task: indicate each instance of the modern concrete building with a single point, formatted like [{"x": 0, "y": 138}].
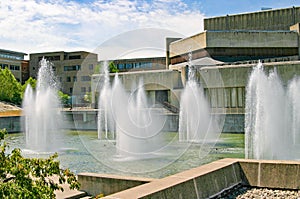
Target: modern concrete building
[
  {"x": 226, "y": 52},
  {"x": 73, "y": 70},
  {"x": 224, "y": 56},
  {"x": 15, "y": 62}
]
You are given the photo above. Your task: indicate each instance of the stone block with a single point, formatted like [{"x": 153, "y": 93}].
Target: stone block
[{"x": 280, "y": 175}]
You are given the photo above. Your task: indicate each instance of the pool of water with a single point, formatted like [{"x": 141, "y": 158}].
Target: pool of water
[{"x": 81, "y": 151}]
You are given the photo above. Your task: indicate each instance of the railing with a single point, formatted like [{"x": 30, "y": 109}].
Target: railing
[{"x": 170, "y": 107}]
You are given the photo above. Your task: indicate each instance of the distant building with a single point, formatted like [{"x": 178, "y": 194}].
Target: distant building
[
  {"x": 139, "y": 64},
  {"x": 73, "y": 70},
  {"x": 15, "y": 62}
]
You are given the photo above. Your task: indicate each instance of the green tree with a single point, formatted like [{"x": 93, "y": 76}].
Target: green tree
[
  {"x": 10, "y": 89},
  {"x": 22, "y": 177},
  {"x": 64, "y": 98},
  {"x": 113, "y": 68},
  {"x": 32, "y": 83}
]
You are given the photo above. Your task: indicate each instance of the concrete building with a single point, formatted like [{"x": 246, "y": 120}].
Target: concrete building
[
  {"x": 140, "y": 64},
  {"x": 224, "y": 56},
  {"x": 226, "y": 52},
  {"x": 15, "y": 62},
  {"x": 73, "y": 70}
]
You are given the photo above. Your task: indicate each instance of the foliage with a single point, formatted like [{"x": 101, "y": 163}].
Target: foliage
[
  {"x": 10, "y": 89},
  {"x": 32, "y": 82},
  {"x": 22, "y": 177},
  {"x": 88, "y": 97},
  {"x": 64, "y": 98},
  {"x": 113, "y": 68},
  {"x": 98, "y": 69}
]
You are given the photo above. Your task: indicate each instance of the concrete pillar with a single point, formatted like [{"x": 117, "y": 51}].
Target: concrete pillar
[{"x": 168, "y": 41}]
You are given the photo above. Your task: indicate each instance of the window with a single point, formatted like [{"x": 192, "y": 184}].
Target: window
[
  {"x": 83, "y": 89},
  {"x": 220, "y": 93},
  {"x": 85, "y": 78},
  {"x": 227, "y": 97},
  {"x": 233, "y": 97},
  {"x": 71, "y": 90},
  {"x": 91, "y": 66},
  {"x": 72, "y": 68},
  {"x": 13, "y": 67},
  {"x": 50, "y": 58},
  {"x": 74, "y": 78},
  {"x": 241, "y": 97},
  {"x": 74, "y": 57},
  {"x": 90, "y": 89},
  {"x": 68, "y": 79},
  {"x": 60, "y": 79}
]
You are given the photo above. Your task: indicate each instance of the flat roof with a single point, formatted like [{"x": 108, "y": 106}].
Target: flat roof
[
  {"x": 12, "y": 52},
  {"x": 245, "y": 13}
]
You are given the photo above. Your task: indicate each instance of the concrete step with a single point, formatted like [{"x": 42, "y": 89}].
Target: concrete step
[{"x": 86, "y": 197}]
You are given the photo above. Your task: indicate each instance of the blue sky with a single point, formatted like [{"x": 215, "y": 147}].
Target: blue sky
[{"x": 54, "y": 25}]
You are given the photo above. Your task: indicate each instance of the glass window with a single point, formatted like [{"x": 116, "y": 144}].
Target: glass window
[
  {"x": 71, "y": 90},
  {"x": 74, "y": 79},
  {"x": 68, "y": 79},
  {"x": 91, "y": 66},
  {"x": 220, "y": 97},
  {"x": 241, "y": 97},
  {"x": 213, "y": 97},
  {"x": 85, "y": 78},
  {"x": 233, "y": 97},
  {"x": 83, "y": 89},
  {"x": 227, "y": 97}
]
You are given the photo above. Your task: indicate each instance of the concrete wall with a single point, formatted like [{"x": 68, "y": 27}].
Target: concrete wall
[
  {"x": 88, "y": 119},
  {"x": 280, "y": 19},
  {"x": 95, "y": 184},
  {"x": 213, "y": 178},
  {"x": 152, "y": 81},
  {"x": 11, "y": 124},
  {"x": 234, "y": 39}
]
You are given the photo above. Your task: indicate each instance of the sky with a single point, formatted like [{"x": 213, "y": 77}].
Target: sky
[{"x": 117, "y": 28}]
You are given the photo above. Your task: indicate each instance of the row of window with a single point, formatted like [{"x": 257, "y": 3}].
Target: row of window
[
  {"x": 83, "y": 79},
  {"x": 233, "y": 97},
  {"x": 72, "y": 68},
  {"x": 134, "y": 65},
  {"x": 82, "y": 89},
  {"x": 6, "y": 56},
  {"x": 11, "y": 67}
]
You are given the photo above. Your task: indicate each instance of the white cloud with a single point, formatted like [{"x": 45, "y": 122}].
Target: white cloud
[{"x": 48, "y": 25}]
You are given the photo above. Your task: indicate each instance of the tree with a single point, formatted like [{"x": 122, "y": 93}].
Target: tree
[
  {"x": 64, "y": 98},
  {"x": 32, "y": 82},
  {"x": 10, "y": 89},
  {"x": 22, "y": 177},
  {"x": 113, "y": 68}
]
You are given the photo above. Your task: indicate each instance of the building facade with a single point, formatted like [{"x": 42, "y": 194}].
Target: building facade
[
  {"x": 15, "y": 62},
  {"x": 73, "y": 70},
  {"x": 140, "y": 64},
  {"x": 226, "y": 52}
]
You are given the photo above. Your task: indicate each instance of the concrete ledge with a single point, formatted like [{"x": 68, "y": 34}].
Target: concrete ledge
[
  {"x": 271, "y": 173},
  {"x": 201, "y": 182},
  {"x": 106, "y": 184}
]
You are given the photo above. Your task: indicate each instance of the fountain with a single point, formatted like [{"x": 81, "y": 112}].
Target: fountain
[
  {"x": 195, "y": 120},
  {"x": 272, "y": 116},
  {"x": 42, "y": 111},
  {"x": 105, "y": 120},
  {"x": 128, "y": 115}
]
